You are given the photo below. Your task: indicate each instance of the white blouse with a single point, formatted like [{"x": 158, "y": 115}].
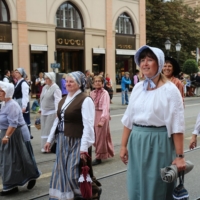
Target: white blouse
[
  {"x": 88, "y": 115},
  {"x": 197, "y": 126},
  {"x": 160, "y": 107}
]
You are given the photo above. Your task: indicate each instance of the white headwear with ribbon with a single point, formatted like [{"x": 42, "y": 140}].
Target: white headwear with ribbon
[
  {"x": 8, "y": 88},
  {"x": 51, "y": 76},
  {"x": 79, "y": 77},
  {"x": 161, "y": 60},
  {"x": 22, "y": 71}
]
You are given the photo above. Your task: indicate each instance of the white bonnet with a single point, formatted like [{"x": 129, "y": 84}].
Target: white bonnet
[
  {"x": 51, "y": 76},
  {"x": 8, "y": 88}
]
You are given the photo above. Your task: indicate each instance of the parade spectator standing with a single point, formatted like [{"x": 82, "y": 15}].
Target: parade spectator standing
[
  {"x": 6, "y": 76},
  {"x": 17, "y": 162},
  {"x": 193, "y": 81},
  {"x": 88, "y": 86},
  {"x": 21, "y": 96},
  {"x": 125, "y": 82},
  {"x": 197, "y": 83},
  {"x": 104, "y": 148},
  {"x": 171, "y": 70},
  {"x": 12, "y": 77},
  {"x": 63, "y": 85},
  {"x": 108, "y": 88},
  {"x": 75, "y": 124},
  {"x": 39, "y": 82},
  {"x": 153, "y": 130},
  {"x": 188, "y": 87},
  {"x": 136, "y": 77},
  {"x": 49, "y": 99}
]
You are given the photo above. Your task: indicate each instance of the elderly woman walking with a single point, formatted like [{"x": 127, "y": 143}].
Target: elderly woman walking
[
  {"x": 21, "y": 95},
  {"x": 75, "y": 124},
  {"x": 49, "y": 99},
  {"x": 17, "y": 162},
  {"x": 104, "y": 148},
  {"x": 153, "y": 130}
]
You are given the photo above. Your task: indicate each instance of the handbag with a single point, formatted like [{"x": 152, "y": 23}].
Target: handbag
[
  {"x": 54, "y": 144},
  {"x": 180, "y": 193}
]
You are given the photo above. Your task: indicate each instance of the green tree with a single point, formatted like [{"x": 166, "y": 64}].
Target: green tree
[
  {"x": 175, "y": 21},
  {"x": 190, "y": 66}
]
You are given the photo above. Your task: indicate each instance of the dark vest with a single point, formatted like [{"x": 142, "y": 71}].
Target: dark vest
[
  {"x": 18, "y": 91},
  {"x": 73, "y": 117}
]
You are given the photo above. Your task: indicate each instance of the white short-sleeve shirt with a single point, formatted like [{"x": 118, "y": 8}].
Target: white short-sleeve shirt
[{"x": 160, "y": 107}]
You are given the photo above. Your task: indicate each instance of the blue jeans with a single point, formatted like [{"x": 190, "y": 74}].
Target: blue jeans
[{"x": 125, "y": 95}]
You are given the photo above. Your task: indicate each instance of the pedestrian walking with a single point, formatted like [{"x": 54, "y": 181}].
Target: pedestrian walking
[
  {"x": 153, "y": 130},
  {"x": 125, "y": 82},
  {"x": 63, "y": 85},
  {"x": 49, "y": 99},
  {"x": 171, "y": 71},
  {"x": 17, "y": 162},
  {"x": 21, "y": 95},
  {"x": 104, "y": 148},
  {"x": 75, "y": 125}
]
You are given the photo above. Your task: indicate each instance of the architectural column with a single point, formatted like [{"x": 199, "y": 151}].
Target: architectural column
[
  {"x": 142, "y": 18},
  {"x": 23, "y": 50},
  {"x": 110, "y": 67}
]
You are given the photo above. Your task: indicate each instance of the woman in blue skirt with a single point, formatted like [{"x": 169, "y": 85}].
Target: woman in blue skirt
[{"x": 153, "y": 130}]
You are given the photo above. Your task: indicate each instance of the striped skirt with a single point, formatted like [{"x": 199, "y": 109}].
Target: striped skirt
[
  {"x": 149, "y": 149},
  {"x": 64, "y": 181}
]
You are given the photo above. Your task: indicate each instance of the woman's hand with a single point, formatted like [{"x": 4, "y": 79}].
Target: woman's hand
[
  {"x": 100, "y": 125},
  {"x": 83, "y": 156},
  {"x": 193, "y": 142},
  {"x": 47, "y": 147},
  {"x": 180, "y": 164},
  {"x": 4, "y": 140},
  {"x": 124, "y": 155}
]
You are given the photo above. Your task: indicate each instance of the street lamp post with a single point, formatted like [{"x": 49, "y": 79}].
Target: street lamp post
[
  {"x": 167, "y": 46},
  {"x": 178, "y": 48}
]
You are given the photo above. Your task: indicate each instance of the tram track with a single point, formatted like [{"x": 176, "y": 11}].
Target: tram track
[{"x": 114, "y": 174}]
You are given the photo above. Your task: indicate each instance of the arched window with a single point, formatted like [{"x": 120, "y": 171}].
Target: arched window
[
  {"x": 124, "y": 25},
  {"x": 4, "y": 14},
  {"x": 67, "y": 16}
]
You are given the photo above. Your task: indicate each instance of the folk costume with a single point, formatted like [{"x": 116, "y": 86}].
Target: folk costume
[
  {"x": 104, "y": 148},
  {"x": 17, "y": 162},
  {"x": 21, "y": 96},
  {"x": 75, "y": 124},
  {"x": 153, "y": 116},
  {"x": 49, "y": 99}
]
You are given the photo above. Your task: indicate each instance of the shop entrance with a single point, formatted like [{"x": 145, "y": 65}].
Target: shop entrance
[
  {"x": 98, "y": 63},
  {"x": 5, "y": 61},
  {"x": 70, "y": 60},
  {"x": 38, "y": 64}
]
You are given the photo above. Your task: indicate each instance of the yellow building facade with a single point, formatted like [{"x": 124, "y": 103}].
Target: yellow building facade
[{"x": 99, "y": 35}]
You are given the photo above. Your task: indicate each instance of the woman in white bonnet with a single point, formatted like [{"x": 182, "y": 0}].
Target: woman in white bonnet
[
  {"x": 21, "y": 95},
  {"x": 153, "y": 130},
  {"x": 17, "y": 162},
  {"x": 49, "y": 99}
]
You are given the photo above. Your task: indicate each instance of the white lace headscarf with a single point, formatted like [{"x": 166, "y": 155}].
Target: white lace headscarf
[
  {"x": 161, "y": 60},
  {"x": 8, "y": 88}
]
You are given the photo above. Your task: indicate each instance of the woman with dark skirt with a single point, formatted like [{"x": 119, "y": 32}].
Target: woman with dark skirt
[{"x": 17, "y": 162}]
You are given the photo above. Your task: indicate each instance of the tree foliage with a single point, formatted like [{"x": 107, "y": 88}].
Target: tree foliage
[
  {"x": 190, "y": 66},
  {"x": 176, "y": 21}
]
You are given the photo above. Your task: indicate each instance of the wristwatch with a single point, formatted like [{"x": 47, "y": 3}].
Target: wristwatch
[
  {"x": 7, "y": 137},
  {"x": 180, "y": 155}
]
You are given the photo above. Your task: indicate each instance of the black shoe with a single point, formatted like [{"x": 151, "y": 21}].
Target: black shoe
[
  {"x": 96, "y": 162},
  {"x": 31, "y": 137},
  {"x": 13, "y": 191},
  {"x": 31, "y": 184}
]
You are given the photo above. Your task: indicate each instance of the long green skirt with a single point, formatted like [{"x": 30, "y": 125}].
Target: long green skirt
[{"x": 149, "y": 149}]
